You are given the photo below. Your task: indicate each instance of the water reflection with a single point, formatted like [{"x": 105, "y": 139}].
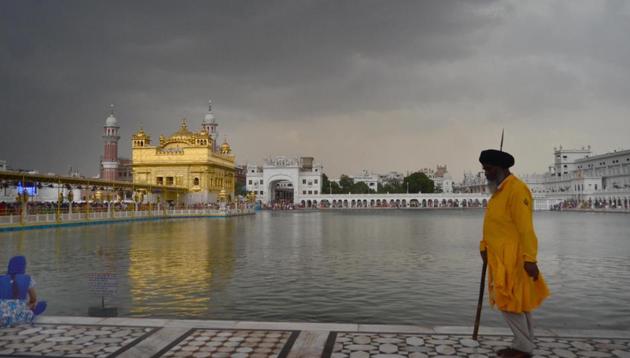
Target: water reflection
[
  {"x": 180, "y": 275},
  {"x": 397, "y": 267}
]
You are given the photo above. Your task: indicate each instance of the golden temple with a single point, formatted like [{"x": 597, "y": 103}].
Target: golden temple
[{"x": 185, "y": 159}]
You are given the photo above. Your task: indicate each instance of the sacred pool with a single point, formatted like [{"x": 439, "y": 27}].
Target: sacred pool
[{"x": 417, "y": 267}]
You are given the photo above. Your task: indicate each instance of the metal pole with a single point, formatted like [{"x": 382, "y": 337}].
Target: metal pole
[
  {"x": 149, "y": 200},
  {"x": 23, "y": 206},
  {"x": 70, "y": 200},
  {"x": 87, "y": 202},
  {"x": 22, "y": 199},
  {"x": 134, "y": 197},
  {"x": 59, "y": 202},
  {"x": 480, "y": 302}
]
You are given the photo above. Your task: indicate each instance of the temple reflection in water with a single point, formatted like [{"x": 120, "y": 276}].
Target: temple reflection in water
[{"x": 182, "y": 274}]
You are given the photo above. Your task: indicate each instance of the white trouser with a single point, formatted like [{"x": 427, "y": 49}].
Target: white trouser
[{"x": 522, "y": 326}]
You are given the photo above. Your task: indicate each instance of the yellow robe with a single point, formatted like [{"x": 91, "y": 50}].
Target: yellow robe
[{"x": 510, "y": 240}]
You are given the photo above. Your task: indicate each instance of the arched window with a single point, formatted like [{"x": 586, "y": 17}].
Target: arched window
[{"x": 196, "y": 181}]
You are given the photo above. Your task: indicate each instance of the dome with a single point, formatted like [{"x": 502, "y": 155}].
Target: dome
[
  {"x": 208, "y": 119},
  {"x": 183, "y": 131},
  {"x": 111, "y": 121},
  {"x": 140, "y": 134},
  {"x": 225, "y": 147}
]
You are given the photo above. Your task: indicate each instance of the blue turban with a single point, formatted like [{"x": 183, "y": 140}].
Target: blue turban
[{"x": 17, "y": 265}]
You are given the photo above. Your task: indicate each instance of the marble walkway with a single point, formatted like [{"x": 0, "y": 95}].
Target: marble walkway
[{"x": 134, "y": 337}]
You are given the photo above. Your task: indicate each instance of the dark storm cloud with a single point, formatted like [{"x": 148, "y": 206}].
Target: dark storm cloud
[
  {"x": 246, "y": 47},
  {"x": 305, "y": 68}
]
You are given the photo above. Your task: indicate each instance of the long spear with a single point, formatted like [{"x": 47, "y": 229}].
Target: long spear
[{"x": 482, "y": 285}]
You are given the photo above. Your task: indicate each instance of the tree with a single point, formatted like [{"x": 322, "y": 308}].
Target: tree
[
  {"x": 345, "y": 182},
  {"x": 241, "y": 189},
  {"x": 359, "y": 188},
  {"x": 329, "y": 187},
  {"x": 391, "y": 187},
  {"x": 418, "y": 182},
  {"x": 325, "y": 184},
  {"x": 336, "y": 189}
]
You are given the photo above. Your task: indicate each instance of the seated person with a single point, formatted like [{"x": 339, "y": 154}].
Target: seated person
[{"x": 15, "y": 287}]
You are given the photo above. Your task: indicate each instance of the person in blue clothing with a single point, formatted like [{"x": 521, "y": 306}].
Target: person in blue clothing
[{"x": 18, "y": 300}]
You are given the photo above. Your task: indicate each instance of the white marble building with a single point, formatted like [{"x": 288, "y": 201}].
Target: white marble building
[
  {"x": 535, "y": 182},
  {"x": 473, "y": 183},
  {"x": 564, "y": 160},
  {"x": 578, "y": 175},
  {"x": 371, "y": 180},
  {"x": 412, "y": 200},
  {"x": 284, "y": 179},
  {"x": 392, "y": 178},
  {"x": 442, "y": 180},
  {"x": 575, "y": 175},
  {"x": 477, "y": 183},
  {"x": 444, "y": 184}
]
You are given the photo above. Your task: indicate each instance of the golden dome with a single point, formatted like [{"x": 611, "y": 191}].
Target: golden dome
[
  {"x": 183, "y": 131},
  {"x": 140, "y": 134},
  {"x": 225, "y": 147}
]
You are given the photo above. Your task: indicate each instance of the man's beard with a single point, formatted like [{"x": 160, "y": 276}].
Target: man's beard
[{"x": 493, "y": 185}]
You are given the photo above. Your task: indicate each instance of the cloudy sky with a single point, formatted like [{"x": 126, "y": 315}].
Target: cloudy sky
[{"x": 378, "y": 85}]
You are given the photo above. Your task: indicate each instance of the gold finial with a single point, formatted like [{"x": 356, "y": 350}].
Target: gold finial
[
  {"x": 184, "y": 124},
  {"x": 225, "y": 147}
]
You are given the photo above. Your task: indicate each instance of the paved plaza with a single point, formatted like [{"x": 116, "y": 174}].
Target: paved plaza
[
  {"x": 345, "y": 344},
  {"x": 134, "y": 337}
]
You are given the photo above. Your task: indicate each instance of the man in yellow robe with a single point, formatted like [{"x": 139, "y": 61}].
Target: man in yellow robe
[{"x": 509, "y": 246}]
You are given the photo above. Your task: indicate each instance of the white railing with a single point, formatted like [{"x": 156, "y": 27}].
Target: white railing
[{"x": 14, "y": 220}]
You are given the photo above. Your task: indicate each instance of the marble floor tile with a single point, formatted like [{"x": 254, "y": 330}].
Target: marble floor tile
[
  {"x": 231, "y": 343},
  {"x": 420, "y": 345},
  {"x": 66, "y": 340}
]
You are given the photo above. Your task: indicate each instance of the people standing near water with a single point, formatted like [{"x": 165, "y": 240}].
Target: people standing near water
[{"x": 510, "y": 247}]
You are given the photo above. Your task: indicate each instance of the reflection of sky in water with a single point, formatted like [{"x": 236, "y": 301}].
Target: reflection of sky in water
[{"x": 408, "y": 267}]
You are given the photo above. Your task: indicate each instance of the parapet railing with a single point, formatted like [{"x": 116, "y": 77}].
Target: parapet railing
[{"x": 53, "y": 218}]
